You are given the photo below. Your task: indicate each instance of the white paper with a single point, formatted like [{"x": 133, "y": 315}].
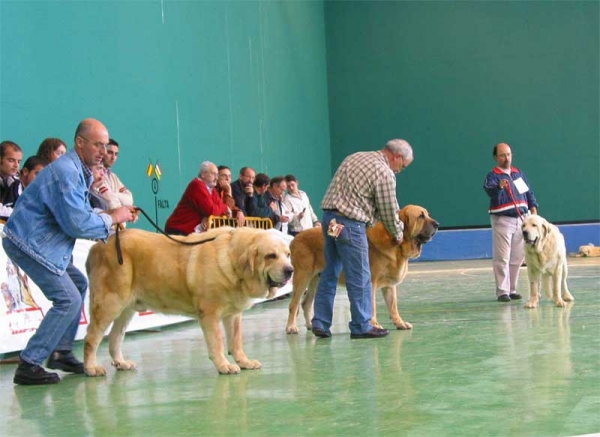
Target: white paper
[{"x": 521, "y": 185}]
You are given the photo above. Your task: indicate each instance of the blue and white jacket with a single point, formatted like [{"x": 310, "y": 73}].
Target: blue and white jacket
[
  {"x": 53, "y": 211},
  {"x": 508, "y": 201}
]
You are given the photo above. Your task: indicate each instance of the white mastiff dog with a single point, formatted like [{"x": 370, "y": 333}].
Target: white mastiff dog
[{"x": 546, "y": 257}]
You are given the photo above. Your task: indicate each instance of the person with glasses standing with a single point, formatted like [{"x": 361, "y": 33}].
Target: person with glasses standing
[
  {"x": 39, "y": 237},
  {"x": 362, "y": 191}
]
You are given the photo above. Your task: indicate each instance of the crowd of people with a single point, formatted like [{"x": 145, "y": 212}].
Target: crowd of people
[{"x": 77, "y": 195}]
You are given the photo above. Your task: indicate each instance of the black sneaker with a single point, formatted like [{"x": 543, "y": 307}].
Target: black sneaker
[
  {"x": 321, "y": 333},
  {"x": 32, "y": 374},
  {"x": 504, "y": 298},
  {"x": 515, "y": 296},
  {"x": 65, "y": 361}
]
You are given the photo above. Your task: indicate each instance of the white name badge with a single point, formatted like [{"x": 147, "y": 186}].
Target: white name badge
[{"x": 521, "y": 186}]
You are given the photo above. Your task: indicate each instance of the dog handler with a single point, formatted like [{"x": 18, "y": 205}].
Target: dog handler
[
  {"x": 363, "y": 189},
  {"x": 39, "y": 237},
  {"x": 511, "y": 200}
]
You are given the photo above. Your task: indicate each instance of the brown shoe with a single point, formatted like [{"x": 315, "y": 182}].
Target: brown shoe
[{"x": 371, "y": 333}]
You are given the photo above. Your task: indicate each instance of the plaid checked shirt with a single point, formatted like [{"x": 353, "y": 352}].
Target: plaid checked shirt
[{"x": 364, "y": 189}]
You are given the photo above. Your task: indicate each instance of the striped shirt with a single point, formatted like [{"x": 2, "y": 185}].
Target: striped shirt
[{"x": 364, "y": 189}]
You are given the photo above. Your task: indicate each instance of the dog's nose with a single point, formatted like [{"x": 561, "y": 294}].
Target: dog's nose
[
  {"x": 525, "y": 234},
  {"x": 436, "y": 224},
  {"x": 288, "y": 272}
]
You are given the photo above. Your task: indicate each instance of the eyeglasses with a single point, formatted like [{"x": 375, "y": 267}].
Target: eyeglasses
[{"x": 97, "y": 144}]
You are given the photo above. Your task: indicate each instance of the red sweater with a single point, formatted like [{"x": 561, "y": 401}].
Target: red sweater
[{"x": 195, "y": 204}]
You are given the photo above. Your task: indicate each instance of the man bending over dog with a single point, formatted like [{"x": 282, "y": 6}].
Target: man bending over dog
[
  {"x": 363, "y": 186},
  {"x": 40, "y": 235}
]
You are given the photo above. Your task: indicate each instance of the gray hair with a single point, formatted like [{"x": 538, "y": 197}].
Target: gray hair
[
  {"x": 204, "y": 167},
  {"x": 400, "y": 146}
]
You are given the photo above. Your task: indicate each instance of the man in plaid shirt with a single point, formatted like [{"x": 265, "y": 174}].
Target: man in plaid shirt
[{"x": 362, "y": 191}]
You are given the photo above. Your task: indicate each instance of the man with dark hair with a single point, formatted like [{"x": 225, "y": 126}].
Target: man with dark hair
[
  {"x": 33, "y": 165},
  {"x": 110, "y": 186},
  {"x": 511, "y": 200},
  {"x": 242, "y": 190},
  {"x": 11, "y": 156},
  {"x": 261, "y": 204},
  {"x": 40, "y": 235},
  {"x": 224, "y": 190},
  {"x": 281, "y": 213}
]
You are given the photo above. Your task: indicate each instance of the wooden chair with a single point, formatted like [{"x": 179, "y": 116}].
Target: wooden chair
[
  {"x": 216, "y": 221},
  {"x": 258, "y": 222}
]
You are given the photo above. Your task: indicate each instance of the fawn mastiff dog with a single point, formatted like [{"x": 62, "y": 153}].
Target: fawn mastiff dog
[
  {"x": 388, "y": 263},
  {"x": 214, "y": 281},
  {"x": 546, "y": 258}
]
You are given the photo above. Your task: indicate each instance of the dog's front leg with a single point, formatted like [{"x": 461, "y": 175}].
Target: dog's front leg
[
  {"x": 391, "y": 301},
  {"x": 534, "y": 288},
  {"x": 233, "y": 328},
  {"x": 214, "y": 341}
]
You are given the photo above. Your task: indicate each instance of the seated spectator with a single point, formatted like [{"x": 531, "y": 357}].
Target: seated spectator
[
  {"x": 33, "y": 165},
  {"x": 51, "y": 149},
  {"x": 275, "y": 193},
  {"x": 199, "y": 201},
  {"x": 11, "y": 156},
  {"x": 242, "y": 190},
  {"x": 121, "y": 196},
  {"x": 303, "y": 215},
  {"x": 224, "y": 189},
  {"x": 261, "y": 204},
  {"x": 101, "y": 196}
]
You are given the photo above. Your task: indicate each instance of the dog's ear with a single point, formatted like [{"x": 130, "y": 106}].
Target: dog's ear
[
  {"x": 545, "y": 229},
  {"x": 248, "y": 257},
  {"x": 402, "y": 214}
]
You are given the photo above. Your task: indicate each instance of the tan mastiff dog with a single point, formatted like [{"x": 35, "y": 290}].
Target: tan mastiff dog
[
  {"x": 546, "y": 258},
  {"x": 388, "y": 262},
  {"x": 214, "y": 281}
]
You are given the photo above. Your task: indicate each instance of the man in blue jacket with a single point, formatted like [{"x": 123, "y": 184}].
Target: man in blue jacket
[
  {"x": 511, "y": 200},
  {"x": 39, "y": 237}
]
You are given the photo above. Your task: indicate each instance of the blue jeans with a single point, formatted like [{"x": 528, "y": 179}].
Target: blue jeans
[
  {"x": 66, "y": 292},
  {"x": 349, "y": 251}
]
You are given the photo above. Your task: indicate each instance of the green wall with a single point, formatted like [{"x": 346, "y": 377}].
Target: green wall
[
  {"x": 236, "y": 83},
  {"x": 455, "y": 78}
]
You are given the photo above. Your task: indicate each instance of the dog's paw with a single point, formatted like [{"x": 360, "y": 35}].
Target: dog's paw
[
  {"x": 375, "y": 324},
  {"x": 401, "y": 324},
  {"x": 530, "y": 305},
  {"x": 568, "y": 298},
  {"x": 250, "y": 364},
  {"x": 292, "y": 330},
  {"x": 228, "y": 369},
  {"x": 124, "y": 365},
  {"x": 561, "y": 303},
  {"x": 95, "y": 371}
]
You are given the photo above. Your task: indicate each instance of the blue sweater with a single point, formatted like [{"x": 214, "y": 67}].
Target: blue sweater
[{"x": 508, "y": 201}]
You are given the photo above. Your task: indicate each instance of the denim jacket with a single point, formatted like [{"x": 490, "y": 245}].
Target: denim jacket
[{"x": 53, "y": 212}]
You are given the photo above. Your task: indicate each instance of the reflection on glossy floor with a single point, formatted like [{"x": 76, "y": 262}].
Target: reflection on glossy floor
[{"x": 470, "y": 367}]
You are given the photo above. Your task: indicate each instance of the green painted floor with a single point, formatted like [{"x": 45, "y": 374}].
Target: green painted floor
[{"x": 470, "y": 367}]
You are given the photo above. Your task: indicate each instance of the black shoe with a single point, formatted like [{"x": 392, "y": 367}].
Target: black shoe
[
  {"x": 515, "y": 296},
  {"x": 65, "y": 361},
  {"x": 504, "y": 298},
  {"x": 32, "y": 374},
  {"x": 372, "y": 333},
  {"x": 321, "y": 333}
]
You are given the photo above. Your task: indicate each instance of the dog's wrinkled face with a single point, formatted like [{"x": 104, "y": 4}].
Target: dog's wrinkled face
[
  {"x": 272, "y": 260},
  {"x": 418, "y": 225},
  {"x": 534, "y": 229}
]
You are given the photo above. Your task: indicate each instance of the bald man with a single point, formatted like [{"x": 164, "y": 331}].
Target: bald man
[
  {"x": 51, "y": 213},
  {"x": 511, "y": 200},
  {"x": 199, "y": 201}
]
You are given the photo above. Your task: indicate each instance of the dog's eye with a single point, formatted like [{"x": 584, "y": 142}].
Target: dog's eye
[
  {"x": 422, "y": 216},
  {"x": 271, "y": 256}
]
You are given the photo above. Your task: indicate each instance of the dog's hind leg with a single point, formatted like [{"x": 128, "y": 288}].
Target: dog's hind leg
[
  {"x": 566, "y": 295},
  {"x": 115, "y": 340},
  {"x": 300, "y": 279},
  {"x": 233, "y": 329},
  {"x": 309, "y": 301},
  {"x": 557, "y": 280},
  {"x": 391, "y": 301},
  {"x": 101, "y": 316}
]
